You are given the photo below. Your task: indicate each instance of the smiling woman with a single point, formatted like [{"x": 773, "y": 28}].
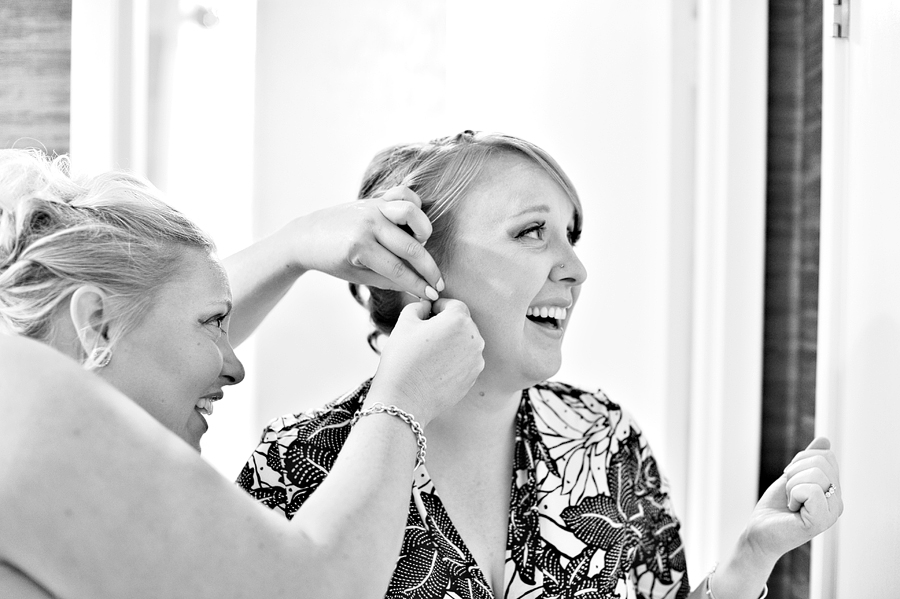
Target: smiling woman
[
  {"x": 148, "y": 319},
  {"x": 180, "y": 349},
  {"x": 531, "y": 487},
  {"x": 119, "y": 314}
]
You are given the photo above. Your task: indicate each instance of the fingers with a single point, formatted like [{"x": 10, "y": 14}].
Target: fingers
[
  {"x": 394, "y": 273},
  {"x": 811, "y": 476},
  {"x": 408, "y": 214},
  {"x": 806, "y": 459},
  {"x": 449, "y": 305},
  {"x": 405, "y": 264},
  {"x": 811, "y": 497},
  {"x": 820, "y": 443},
  {"x": 422, "y": 309},
  {"x": 413, "y": 268},
  {"x": 822, "y": 462},
  {"x": 817, "y": 511},
  {"x": 402, "y": 192},
  {"x": 418, "y": 310},
  {"x": 816, "y": 468}
]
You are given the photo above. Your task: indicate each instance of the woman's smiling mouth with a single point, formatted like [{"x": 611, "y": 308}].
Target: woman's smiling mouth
[
  {"x": 205, "y": 403},
  {"x": 547, "y": 316}
]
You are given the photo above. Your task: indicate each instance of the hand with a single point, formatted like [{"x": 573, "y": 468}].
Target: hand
[
  {"x": 794, "y": 508},
  {"x": 429, "y": 364},
  {"x": 363, "y": 242}
]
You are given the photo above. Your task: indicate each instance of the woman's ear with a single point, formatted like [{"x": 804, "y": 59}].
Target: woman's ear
[{"x": 87, "y": 311}]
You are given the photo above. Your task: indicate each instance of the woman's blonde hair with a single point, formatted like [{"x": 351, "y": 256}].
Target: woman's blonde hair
[
  {"x": 59, "y": 232},
  {"x": 441, "y": 173}
]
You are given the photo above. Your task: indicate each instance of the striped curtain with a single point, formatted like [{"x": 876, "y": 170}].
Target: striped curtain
[
  {"x": 35, "y": 65},
  {"x": 792, "y": 254}
]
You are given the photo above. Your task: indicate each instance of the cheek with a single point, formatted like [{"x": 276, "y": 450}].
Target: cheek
[{"x": 208, "y": 362}]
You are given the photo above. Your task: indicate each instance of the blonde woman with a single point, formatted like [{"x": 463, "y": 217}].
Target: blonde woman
[{"x": 117, "y": 316}]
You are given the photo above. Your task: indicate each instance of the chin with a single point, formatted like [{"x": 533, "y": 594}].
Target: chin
[
  {"x": 194, "y": 443},
  {"x": 541, "y": 372}
]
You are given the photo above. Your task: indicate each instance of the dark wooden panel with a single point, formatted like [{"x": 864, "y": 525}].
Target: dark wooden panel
[
  {"x": 792, "y": 254},
  {"x": 35, "y": 73}
]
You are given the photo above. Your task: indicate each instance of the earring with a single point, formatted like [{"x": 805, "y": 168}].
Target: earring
[{"x": 100, "y": 357}]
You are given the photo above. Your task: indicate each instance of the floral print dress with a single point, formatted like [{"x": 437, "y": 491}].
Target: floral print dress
[{"x": 589, "y": 518}]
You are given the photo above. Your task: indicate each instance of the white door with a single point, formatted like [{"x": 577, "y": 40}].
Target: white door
[{"x": 858, "y": 394}]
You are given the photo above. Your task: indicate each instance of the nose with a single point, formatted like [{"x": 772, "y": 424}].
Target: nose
[
  {"x": 568, "y": 268},
  {"x": 232, "y": 368}
]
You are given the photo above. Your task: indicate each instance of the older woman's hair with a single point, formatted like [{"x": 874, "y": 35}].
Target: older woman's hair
[
  {"x": 59, "y": 232},
  {"x": 441, "y": 172}
]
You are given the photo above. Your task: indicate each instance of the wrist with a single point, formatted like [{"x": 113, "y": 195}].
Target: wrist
[
  {"x": 393, "y": 411},
  {"x": 383, "y": 393},
  {"x": 708, "y": 586},
  {"x": 744, "y": 573},
  {"x": 293, "y": 246},
  {"x": 750, "y": 555}
]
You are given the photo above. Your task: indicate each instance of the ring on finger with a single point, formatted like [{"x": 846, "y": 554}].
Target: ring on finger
[{"x": 830, "y": 491}]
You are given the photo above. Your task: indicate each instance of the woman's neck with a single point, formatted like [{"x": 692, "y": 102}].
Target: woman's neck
[{"x": 480, "y": 417}]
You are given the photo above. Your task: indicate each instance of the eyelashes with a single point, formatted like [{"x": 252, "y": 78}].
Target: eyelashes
[
  {"x": 218, "y": 322},
  {"x": 537, "y": 231}
]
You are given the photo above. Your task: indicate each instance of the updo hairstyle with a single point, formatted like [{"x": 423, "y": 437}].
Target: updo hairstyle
[
  {"x": 59, "y": 232},
  {"x": 441, "y": 172}
]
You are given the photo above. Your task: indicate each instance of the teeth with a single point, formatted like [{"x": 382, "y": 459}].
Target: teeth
[
  {"x": 548, "y": 312},
  {"x": 205, "y": 406}
]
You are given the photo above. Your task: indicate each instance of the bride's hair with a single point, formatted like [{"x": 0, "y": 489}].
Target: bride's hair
[{"x": 441, "y": 172}]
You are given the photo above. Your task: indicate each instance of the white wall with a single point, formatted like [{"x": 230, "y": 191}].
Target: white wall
[
  {"x": 591, "y": 84},
  {"x": 667, "y": 322},
  {"x": 609, "y": 90},
  {"x": 858, "y": 402},
  {"x": 146, "y": 70},
  {"x": 204, "y": 163}
]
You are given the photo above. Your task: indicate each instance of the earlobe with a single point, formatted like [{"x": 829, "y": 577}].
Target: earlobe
[{"x": 86, "y": 309}]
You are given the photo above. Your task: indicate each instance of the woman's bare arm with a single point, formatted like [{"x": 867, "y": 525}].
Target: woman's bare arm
[
  {"x": 359, "y": 241},
  {"x": 99, "y": 500},
  {"x": 14, "y": 583},
  {"x": 794, "y": 509}
]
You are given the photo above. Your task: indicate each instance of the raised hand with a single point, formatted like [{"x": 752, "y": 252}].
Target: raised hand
[
  {"x": 429, "y": 364},
  {"x": 377, "y": 241},
  {"x": 800, "y": 504}
]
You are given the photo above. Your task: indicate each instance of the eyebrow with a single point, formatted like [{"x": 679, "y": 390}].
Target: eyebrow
[
  {"x": 227, "y": 302},
  {"x": 535, "y": 208}
]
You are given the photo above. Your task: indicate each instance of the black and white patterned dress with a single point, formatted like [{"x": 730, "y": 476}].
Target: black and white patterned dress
[{"x": 589, "y": 518}]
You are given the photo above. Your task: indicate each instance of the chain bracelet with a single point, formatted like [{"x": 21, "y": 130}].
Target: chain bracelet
[{"x": 378, "y": 408}]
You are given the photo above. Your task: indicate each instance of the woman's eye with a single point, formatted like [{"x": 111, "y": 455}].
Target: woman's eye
[
  {"x": 573, "y": 237},
  {"x": 533, "y": 232},
  {"x": 218, "y": 322}
]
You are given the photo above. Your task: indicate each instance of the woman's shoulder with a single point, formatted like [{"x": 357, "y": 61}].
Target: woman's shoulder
[
  {"x": 564, "y": 394},
  {"x": 565, "y": 409},
  {"x": 297, "y": 450}
]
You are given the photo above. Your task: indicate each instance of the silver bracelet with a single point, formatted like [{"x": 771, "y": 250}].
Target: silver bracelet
[
  {"x": 378, "y": 408},
  {"x": 709, "y": 592}
]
